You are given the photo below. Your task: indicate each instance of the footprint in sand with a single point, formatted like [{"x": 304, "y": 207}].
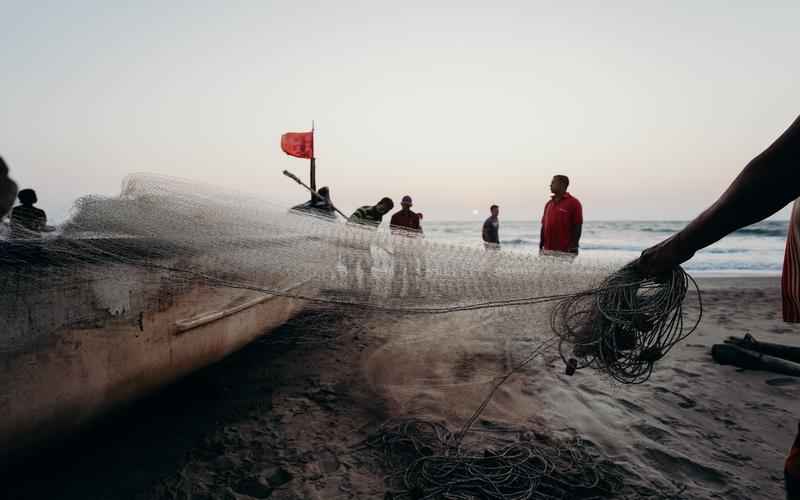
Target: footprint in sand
[
  {"x": 680, "y": 465},
  {"x": 686, "y": 373},
  {"x": 685, "y": 402},
  {"x": 652, "y": 432}
]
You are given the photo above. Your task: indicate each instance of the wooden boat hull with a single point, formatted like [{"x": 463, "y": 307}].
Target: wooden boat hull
[{"x": 52, "y": 385}]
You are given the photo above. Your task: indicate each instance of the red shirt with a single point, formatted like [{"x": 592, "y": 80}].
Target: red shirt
[
  {"x": 406, "y": 220},
  {"x": 558, "y": 221}
]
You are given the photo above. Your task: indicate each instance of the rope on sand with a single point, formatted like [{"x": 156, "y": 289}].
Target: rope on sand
[{"x": 621, "y": 327}]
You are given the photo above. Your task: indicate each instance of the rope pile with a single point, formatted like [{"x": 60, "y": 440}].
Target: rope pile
[
  {"x": 626, "y": 324},
  {"x": 434, "y": 467}
]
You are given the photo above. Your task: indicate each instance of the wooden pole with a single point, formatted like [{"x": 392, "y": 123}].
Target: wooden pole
[{"x": 313, "y": 161}]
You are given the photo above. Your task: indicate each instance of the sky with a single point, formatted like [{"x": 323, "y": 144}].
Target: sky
[{"x": 651, "y": 108}]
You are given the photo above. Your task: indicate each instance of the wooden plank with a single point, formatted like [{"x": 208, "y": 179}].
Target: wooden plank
[
  {"x": 727, "y": 354},
  {"x": 749, "y": 342}
]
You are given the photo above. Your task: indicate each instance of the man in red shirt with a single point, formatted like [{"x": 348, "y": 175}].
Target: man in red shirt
[{"x": 562, "y": 219}]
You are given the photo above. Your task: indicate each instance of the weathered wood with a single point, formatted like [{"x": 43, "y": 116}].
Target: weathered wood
[
  {"x": 791, "y": 353},
  {"x": 727, "y": 354}
]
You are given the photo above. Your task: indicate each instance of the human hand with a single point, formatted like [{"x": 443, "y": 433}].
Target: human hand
[{"x": 665, "y": 256}]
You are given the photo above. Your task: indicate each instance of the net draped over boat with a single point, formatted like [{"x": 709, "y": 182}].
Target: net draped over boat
[
  {"x": 166, "y": 242},
  {"x": 184, "y": 234}
]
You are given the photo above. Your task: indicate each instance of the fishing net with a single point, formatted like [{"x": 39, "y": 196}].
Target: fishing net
[{"x": 168, "y": 254}]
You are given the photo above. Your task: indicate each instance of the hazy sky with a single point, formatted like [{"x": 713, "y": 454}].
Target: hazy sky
[{"x": 650, "y": 107}]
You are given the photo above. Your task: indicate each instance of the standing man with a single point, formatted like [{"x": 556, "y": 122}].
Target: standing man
[
  {"x": 404, "y": 220},
  {"x": 409, "y": 259},
  {"x": 491, "y": 230},
  {"x": 562, "y": 220}
]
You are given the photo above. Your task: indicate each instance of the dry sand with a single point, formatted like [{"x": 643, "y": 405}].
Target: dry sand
[{"x": 279, "y": 419}]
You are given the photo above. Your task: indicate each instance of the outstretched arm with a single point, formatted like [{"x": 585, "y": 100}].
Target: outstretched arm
[{"x": 768, "y": 183}]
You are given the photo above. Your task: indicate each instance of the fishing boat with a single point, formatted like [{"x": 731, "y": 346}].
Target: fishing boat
[{"x": 82, "y": 333}]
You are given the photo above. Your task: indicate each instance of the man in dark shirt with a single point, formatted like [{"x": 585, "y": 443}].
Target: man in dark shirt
[
  {"x": 372, "y": 215},
  {"x": 27, "y": 221},
  {"x": 357, "y": 254},
  {"x": 404, "y": 221},
  {"x": 319, "y": 204},
  {"x": 491, "y": 229}
]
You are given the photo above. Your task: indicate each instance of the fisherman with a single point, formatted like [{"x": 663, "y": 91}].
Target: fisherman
[
  {"x": 357, "y": 253},
  {"x": 372, "y": 215},
  {"x": 409, "y": 256},
  {"x": 768, "y": 183},
  {"x": 28, "y": 221},
  {"x": 562, "y": 220},
  {"x": 319, "y": 204},
  {"x": 491, "y": 229},
  {"x": 405, "y": 221}
]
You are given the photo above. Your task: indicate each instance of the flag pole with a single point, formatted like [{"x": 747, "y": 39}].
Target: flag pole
[{"x": 313, "y": 161}]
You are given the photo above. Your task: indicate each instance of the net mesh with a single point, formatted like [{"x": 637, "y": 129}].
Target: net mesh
[{"x": 167, "y": 244}]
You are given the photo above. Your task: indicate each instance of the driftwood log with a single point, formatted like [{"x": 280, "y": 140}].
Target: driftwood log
[
  {"x": 749, "y": 342},
  {"x": 728, "y": 354}
]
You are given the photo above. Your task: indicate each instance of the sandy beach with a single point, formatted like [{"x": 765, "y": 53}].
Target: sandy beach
[{"x": 282, "y": 418}]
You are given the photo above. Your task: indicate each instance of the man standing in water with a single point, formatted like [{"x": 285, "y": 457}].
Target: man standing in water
[
  {"x": 562, "y": 220},
  {"x": 491, "y": 229},
  {"x": 404, "y": 220}
]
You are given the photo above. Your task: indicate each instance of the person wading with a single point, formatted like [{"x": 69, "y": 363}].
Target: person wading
[{"x": 491, "y": 229}]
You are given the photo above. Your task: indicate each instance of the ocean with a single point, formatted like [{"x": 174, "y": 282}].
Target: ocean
[{"x": 754, "y": 250}]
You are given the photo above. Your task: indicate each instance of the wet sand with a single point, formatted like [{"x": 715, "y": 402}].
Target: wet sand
[{"x": 280, "y": 418}]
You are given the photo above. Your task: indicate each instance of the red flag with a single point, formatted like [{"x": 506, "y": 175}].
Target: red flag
[{"x": 299, "y": 144}]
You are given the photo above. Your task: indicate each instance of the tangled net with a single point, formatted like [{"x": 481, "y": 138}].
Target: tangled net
[
  {"x": 518, "y": 465},
  {"x": 625, "y": 325},
  {"x": 168, "y": 246}
]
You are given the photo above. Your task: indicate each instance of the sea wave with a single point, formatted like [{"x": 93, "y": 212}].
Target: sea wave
[
  {"x": 518, "y": 241},
  {"x": 757, "y": 231},
  {"x": 770, "y": 232}
]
